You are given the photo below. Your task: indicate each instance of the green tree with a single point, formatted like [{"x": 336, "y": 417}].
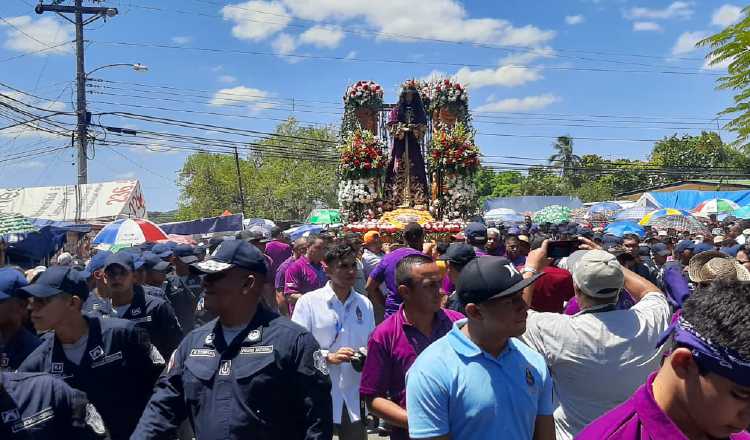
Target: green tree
[
  {"x": 564, "y": 157},
  {"x": 491, "y": 184},
  {"x": 542, "y": 182},
  {"x": 733, "y": 45},
  {"x": 282, "y": 177}
]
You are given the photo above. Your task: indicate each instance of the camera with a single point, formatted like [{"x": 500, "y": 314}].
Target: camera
[{"x": 358, "y": 360}]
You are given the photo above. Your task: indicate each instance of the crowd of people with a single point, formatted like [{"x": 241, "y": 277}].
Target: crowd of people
[{"x": 492, "y": 333}]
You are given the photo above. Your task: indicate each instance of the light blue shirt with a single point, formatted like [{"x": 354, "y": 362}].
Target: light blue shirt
[{"x": 455, "y": 387}]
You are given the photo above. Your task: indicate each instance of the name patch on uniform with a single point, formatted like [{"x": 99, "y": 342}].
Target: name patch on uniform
[
  {"x": 144, "y": 319},
  {"x": 107, "y": 360},
  {"x": 202, "y": 352},
  {"x": 36, "y": 419},
  {"x": 260, "y": 349}
]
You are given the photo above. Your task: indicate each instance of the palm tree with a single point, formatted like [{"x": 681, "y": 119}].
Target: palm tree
[{"x": 564, "y": 156}]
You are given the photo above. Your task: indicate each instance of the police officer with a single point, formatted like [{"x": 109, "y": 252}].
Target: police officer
[
  {"x": 184, "y": 287},
  {"x": 111, "y": 360},
  {"x": 248, "y": 374},
  {"x": 129, "y": 301},
  {"x": 41, "y": 406},
  {"x": 155, "y": 274},
  {"x": 16, "y": 341}
]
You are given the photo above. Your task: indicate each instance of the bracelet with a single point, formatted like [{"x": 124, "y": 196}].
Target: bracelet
[{"x": 529, "y": 269}]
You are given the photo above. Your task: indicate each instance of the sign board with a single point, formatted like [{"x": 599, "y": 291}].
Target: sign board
[{"x": 91, "y": 202}]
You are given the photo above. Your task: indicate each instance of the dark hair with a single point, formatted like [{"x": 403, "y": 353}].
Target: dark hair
[
  {"x": 276, "y": 232},
  {"x": 405, "y": 266},
  {"x": 312, "y": 238},
  {"x": 338, "y": 250},
  {"x": 412, "y": 231},
  {"x": 631, "y": 237},
  {"x": 442, "y": 247},
  {"x": 720, "y": 311}
]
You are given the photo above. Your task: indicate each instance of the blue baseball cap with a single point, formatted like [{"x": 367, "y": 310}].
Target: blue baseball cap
[
  {"x": 476, "y": 231},
  {"x": 459, "y": 253},
  {"x": 185, "y": 253},
  {"x": 234, "y": 253},
  {"x": 10, "y": 282},
  {"x": 685, "y": 245},
  {"x": 96, "y": 263},
  {"x": 124, "y": 259},
  {"x": 151, "y": 261},
  {"x": 57, "y": 280},
  {"x": 660, "y": 249},
  {"x": 703, "y": 247}
]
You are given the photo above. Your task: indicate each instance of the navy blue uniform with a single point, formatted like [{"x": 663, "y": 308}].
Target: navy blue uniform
[
  {"x": 155, "y": 291},
  {"x": 184, "y": 294},
  {"x": 262, "y": 386},
  {"x": 41, "y": 407},
  {"x": 153, "y": 314},
  {"x": 17, "y": 348},
  {"x": 117, "y": 372}
]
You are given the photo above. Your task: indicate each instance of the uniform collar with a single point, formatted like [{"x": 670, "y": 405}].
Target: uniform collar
[
  {"x": 466, "y": 347},
  {"x": 94, "y": 340},
  {"x": 331, "y": 297},
  {"x": 250, "y": 335}
]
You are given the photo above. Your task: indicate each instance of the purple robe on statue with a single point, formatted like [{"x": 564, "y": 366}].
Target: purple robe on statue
[{"x": 418, "y": 176}]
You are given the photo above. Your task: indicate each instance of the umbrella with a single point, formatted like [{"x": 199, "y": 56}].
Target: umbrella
[
  {"x": 635, "y": 213},
  {"x": 264, "y": 225},
  {"x": 680, "y": 223},
  {"x": 743, "y": 213},
  {"x": 303, "y": 231},
  {"x": 127, "y": 232},
  {"x": 324, "y": 217},
  {"x": 625, "y": 227},
  {"x": 503, "y": 215},
  {"x": 606, "y": 208},
  {"x": 714, "y": 206},
  {"x": 651, "y": 216},
  {"x": 552, "y": 214},
  {"x": 15, "y": 224}
]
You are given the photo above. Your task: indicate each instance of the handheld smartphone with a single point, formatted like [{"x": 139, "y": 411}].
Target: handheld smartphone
[{"x": 562, "y": 248}]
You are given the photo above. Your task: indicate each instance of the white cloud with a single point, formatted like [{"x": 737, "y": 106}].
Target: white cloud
[
  {"x": 527, "y": 56},
  {"x": 322, "y": 37},
  {"x": 678, "y": 9},
  {"x": 44, "y": 32},
  {"x": 256, "y": 20},
  {"x": 30, "y": 164},
  {"x": 440, "y": 19},
  {"x": 284, "y": 44},
  {"x": 227, "y": 79},
  {"x": 254, "y": 98},
  {"x": 726, "y": 15},
  {"x": 686, "y": 42},
  {"x": 646, "y": 26},
  {"x": 31, "y": 129},
  {"x": 352, "y": 54},
  {"x": 519, "y": 104},
  {"x": 506, "y": 76},
  {"x": 574, "y": 19},
  {"x": 182, "y": 40}
]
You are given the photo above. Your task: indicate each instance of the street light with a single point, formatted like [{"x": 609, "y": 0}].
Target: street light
[{"x": 138, "y": 67}]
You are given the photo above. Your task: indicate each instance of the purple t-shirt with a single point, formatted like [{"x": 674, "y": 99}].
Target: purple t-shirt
[
  {"x": 302, "y": 277},
  {"x": 280, "y": 279},
  {"x": 393, "y": 347},
  {"x": 385, "y": 271},
  {"x": 639, "y": 418},
  {"x": 279, "y": 252}
]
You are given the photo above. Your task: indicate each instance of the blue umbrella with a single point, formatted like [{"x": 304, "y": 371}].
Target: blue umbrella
[
  {"x": 302, "y": 231},
  {"x": 743, "y": 212},
  {"x": 605, "y": 208},
  {"x": 625, "y": 227}
]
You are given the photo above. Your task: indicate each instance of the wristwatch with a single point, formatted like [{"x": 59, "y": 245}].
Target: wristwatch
[{"x": 529, "y": 269}]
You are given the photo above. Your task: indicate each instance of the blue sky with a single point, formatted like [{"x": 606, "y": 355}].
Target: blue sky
[{"x": 595, "y": 70}]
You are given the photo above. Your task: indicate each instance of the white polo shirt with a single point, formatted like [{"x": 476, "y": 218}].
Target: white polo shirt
[
  {"x": 597, "y": 359},
  {"x": 335, "y": 325}
]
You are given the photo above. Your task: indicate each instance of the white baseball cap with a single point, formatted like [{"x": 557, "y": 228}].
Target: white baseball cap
[{"x": 598, "y": 274}]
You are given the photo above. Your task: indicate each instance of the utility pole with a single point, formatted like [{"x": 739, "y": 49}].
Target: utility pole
[
  {"x": 239, "y": 179},
  {"x": 78, "y": 10}
]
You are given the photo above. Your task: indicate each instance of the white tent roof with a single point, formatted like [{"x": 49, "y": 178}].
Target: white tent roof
[{"x": 94, "y": 202}]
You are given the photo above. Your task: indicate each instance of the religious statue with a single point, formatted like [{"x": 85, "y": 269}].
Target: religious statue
[{"x": 406, "y": 178}]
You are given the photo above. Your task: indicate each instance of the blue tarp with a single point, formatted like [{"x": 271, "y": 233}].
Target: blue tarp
[
  {"x": 36, "y": 246},
  {"x": 531, "y": 203},
  {"x": 225, "y": 223},
  {"x": 689, "y": 199}
]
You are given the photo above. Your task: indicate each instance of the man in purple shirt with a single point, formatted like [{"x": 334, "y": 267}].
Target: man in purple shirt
[
  {"x": 385, "y": 271},
  {"x": 702, "y": 390},
  {"x": 277, "y": 249},
  {"x": 298, "y": 249},
  {"x": 397, "y": 341},
  {"x": 306, "y": 273}
]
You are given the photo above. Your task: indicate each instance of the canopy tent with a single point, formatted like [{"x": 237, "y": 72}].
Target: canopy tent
[
  {"x": 37, "y": 246},
  {"x": 208, "y": 225},
  {"x": 524, "y": 204},
  {"x": 91, "y": 203},
  {"x": 689, "y": 199}
]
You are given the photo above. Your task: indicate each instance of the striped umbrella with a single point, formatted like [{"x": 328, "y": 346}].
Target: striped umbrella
[
  {"x": 668, "y": 212},
  {"x": 635, "y": 213},
  {"x": 714, "y": 206},
  {"x": 15, "y": 224},
  {"x": 554, "y": 214},
  {"x": 128, "y": 232},
  {"x": 680, "y": 223}
]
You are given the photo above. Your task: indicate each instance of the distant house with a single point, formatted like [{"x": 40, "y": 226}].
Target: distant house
[{"x": 695, "y": 185}]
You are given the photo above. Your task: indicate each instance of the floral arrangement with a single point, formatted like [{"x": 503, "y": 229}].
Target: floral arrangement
[
  {"x": 453, "y": 151},
  {"x": 357, "y": 191},
  {"x": 364, "y": 94},
  {"x": 444, "y": 92},
  {"x": 459, "y": 198},
  {"x": 361, "y": 155},
  {"x": 442, "y": 227}
]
